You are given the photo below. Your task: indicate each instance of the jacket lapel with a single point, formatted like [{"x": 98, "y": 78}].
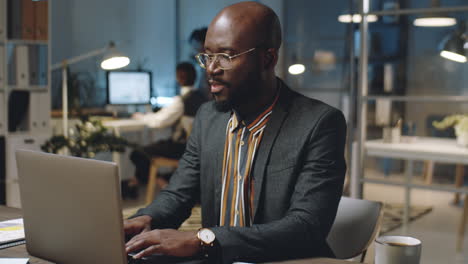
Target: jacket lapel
[
  {"x": 218, "y": 140},
  {"x": 271, "y": 132}
]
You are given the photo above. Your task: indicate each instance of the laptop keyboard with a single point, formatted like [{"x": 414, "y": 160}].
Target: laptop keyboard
[
  {"x": 158, "y": 258},
  {"x": 131, "y": 260}
]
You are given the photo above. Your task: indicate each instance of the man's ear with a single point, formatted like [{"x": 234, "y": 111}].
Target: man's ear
[{"x": 271, "y": 58}]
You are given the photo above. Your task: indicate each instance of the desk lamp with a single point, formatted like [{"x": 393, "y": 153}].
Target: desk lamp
[
  {"x": 111, "y": 60},
  {"x": 454, "y": 46}
]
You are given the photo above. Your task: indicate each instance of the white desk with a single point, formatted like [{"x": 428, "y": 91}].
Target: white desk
[
  {"x": 125, "y": 125},
  {"x": 131, "y": 129},
  {"x": 417, "y": 148},
  {"x": 135, "y": 131}
]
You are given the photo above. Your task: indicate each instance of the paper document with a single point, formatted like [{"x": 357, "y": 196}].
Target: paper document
[
  {"x": 11, "y": 230},
  {"x": 14, "y": 260}
]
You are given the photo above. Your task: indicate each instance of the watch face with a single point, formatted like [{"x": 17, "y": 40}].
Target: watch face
[{"x": 207, "y": 236}]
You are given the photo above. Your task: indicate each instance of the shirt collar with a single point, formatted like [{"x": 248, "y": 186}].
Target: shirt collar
[
  {"x": 185, "y": 90},
  {"x": 238, "y": 122}
]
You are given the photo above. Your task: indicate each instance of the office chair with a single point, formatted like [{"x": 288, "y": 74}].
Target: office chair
[
  {"x": 156, "y": 163},
  {"x": 356, "y": 226},
  {"x": 159, "y": 162}
]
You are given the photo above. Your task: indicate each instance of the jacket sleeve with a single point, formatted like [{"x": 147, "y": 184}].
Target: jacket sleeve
[
  {"x": 174, "y": 203},
  {"x": 303, "y": 230}
]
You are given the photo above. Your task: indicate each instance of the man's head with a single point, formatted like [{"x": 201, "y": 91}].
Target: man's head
[
  {"x": 237, "y": 29},
  {"x": 185, "y": 74},
  {"x": 197, "y": 38}
]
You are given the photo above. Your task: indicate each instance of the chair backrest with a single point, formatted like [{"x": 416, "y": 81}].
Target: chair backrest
[
  {"x": 187, "y": 122},
  {"x": 356, "y": 225}
]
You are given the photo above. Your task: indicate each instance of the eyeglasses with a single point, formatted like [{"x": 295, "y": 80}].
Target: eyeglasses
[{"x": 224, "y": 60}]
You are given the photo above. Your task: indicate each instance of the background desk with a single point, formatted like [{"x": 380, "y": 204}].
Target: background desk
[
  {"x": 7, "y": 213},
  {"x": 135, "y": 131},
  {"x": 132, "y": 130},
  {"x": 20, "y": 251},
  {"x": 417, "y": 148}
]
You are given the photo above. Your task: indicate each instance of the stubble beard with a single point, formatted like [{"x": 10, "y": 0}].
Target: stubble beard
[
  {"x": 223, "y": 106},
  {"x": 247, "y": 93}
]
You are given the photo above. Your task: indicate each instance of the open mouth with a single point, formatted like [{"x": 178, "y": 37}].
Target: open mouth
[{"x": 216, "y": 87}]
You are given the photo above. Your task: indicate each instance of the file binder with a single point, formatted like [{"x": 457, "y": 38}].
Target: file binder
[
  {"x": 39, "y": 112},
  {"x": 14, "y": 19},
  {"x": 44, "y": 110},
  {"x": 33, "y": 64},
  {"x": 2, "y": 170},
  {"x": 11, "y": 65},
  {"x": 2, "y": 68},
  {"x": 27, "y": 19},
  {"x": 11, "y": 232},
  {"x": 2, "y": 19},
  {"x": 43, "y": 62},
  {"x": 22, "y": 69},
  {"x": 13, "y": 244},
  {"x": 41, "y": 23},
  {"x": 18, "y": 109},
  {"x": 2, "y": 117}
]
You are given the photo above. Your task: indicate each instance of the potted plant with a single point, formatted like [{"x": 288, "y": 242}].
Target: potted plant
[
  {"x": 459, "y": 123},
  {"x": 87, "y": 139}
]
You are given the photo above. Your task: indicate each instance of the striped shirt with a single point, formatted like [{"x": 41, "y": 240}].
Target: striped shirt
[{"x": 242, "y": 142}]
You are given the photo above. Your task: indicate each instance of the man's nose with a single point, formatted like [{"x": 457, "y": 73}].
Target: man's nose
[{"x": 213, "y": 67}]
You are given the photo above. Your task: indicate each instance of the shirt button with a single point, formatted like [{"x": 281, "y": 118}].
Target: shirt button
[{"x": 242, "y": 143}]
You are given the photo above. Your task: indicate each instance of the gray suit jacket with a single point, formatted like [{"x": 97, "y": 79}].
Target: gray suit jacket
[{"x": 298, "y": 178}]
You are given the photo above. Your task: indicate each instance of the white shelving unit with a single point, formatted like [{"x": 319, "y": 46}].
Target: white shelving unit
[
  {"x": 35, "y": 128},
  {"x": 360, "y": 152}
]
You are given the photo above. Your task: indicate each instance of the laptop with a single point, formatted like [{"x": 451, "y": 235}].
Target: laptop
[{"x": 71, "y": 208}]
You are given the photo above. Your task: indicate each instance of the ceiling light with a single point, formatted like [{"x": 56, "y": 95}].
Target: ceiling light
[
  {"x": 435, "y": 22},
  {"x": 356, "y": 18},
  {"x": 296, "y": 69},
  {"x": 435, "y": 19}
]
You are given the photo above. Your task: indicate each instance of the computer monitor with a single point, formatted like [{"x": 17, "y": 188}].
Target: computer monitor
[{"x": 128, "y": 87}]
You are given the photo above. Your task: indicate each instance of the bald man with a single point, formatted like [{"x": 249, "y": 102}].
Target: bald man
[{"x": 266, "y": 163}]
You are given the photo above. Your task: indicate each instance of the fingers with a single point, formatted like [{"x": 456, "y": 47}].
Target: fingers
[
  {"x": 130, "y": 227},
  {"x": 137, "y": 225},
  {"x": 126, "y": 226},
  {"x": 165, "y": 241},
  {"x": 146, "y": 241},
  {"x": 136, "y": 245},
  {"x": 148, "y": 251},
  {"x": 146, "y": 229}
]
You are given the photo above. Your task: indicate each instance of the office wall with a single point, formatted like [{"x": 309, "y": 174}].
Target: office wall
[
  {"x": 61, "y": 30},
  {"x": 151, "y": 32},
  {"x": 153, "y": 41},
  {"x": 196, "y": 14},
  {"x": 143, "y": 29},
  {"x": 430, "y": 74},
  {"x": 312, "y": 31},
  {"x": 154, "y": 33}
]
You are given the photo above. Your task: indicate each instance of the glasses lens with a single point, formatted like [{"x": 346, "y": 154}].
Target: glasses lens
[
  {"x": 202, "y": 59},
  {"x": 224, "y": 61}
]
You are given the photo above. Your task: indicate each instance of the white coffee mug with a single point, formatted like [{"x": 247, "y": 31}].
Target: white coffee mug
[{"x": 397, "y": 250}]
